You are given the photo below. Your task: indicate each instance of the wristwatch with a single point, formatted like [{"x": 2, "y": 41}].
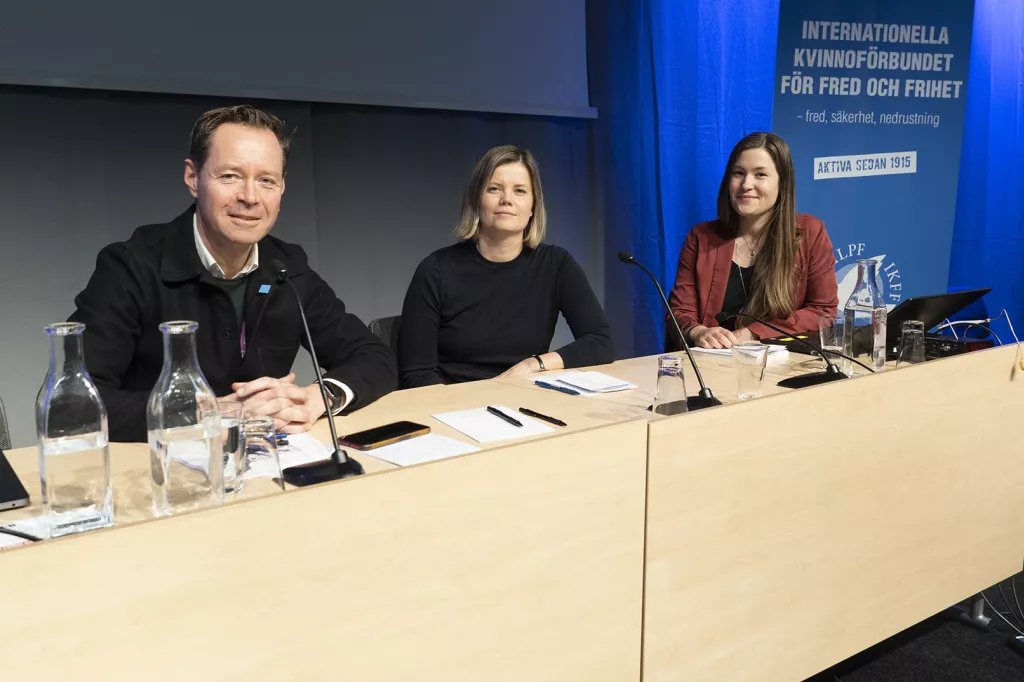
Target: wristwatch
[
  {"x": 332, "y": 395},
  {"x": 540, "y": 362}
]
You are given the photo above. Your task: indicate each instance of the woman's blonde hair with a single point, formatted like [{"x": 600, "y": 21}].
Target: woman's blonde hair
[
  {"x": 469, "y": 222},
  {"x": 779, "y": 241}
]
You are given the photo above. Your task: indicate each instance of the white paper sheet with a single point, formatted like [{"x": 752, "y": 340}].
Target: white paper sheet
[
  {"x": 35, "y": 525},
  {"x": 484, "y": 427},
  {"x": 302, "y": 448},
  {"x": 585, "y": 382},
  {"x": 10, "y": 541},
  {"x": 427, "y": 448}
]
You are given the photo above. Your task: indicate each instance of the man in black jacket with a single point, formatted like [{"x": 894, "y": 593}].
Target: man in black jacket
[{"x": 212, "y": 264}]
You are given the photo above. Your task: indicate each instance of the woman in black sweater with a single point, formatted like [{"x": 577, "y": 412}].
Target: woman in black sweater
[{"x": 487, "y": 305}]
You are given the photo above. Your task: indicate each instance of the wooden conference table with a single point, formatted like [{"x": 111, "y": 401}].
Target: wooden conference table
[{"x": 782, "y": 535}]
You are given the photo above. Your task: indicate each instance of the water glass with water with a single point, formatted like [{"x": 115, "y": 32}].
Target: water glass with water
[
  {"x": 670, "y": 396},
  {"x": 750, "y": 361},
  {"x": 911, "y": 349},
  {"x": 231, "y": 441},
  {"x": 259, "y": 469}
]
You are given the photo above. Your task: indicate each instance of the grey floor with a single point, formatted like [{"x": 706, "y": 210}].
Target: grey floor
[{"x": 944, "y": 649}]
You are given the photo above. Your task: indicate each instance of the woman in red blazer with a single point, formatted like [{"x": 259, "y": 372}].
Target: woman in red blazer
[{"x": 759, "y": 257}]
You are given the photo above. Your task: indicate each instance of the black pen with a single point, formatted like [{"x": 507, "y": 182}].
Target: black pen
[
  {"x": 543, "y": 417},
  {"x": 553, "y": 387},
  {"x": 498, "y": 413}
]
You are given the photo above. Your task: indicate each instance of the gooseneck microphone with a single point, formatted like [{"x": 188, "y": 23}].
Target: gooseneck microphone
[
  {"x": 831, "y": 372},
  {"x": 340, "y": 465},
  {"x": 704, "y": 398}
]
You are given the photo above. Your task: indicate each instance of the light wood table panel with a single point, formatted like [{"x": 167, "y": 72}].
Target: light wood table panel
[
  {"x": 609, "y": 408},
  {"x": 130, "y": 476},
  {"x": 130, "y": 461},
  {"x": 519, "y": 563},
  {"x": 788, "y": 533}
]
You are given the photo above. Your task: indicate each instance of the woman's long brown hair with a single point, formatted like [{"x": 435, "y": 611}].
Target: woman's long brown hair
[{"x": 779, "y": 241}]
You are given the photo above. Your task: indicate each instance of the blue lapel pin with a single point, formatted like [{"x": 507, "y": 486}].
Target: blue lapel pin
[{"x": 264, "y": 288}]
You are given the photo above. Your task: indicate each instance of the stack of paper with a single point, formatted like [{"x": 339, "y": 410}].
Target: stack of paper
[
  {"x": 484, "y": 427},
  {"x": 585, "y": 382}
]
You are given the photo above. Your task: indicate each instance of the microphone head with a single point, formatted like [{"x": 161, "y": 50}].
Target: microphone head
[
  {"x": 280, "y": 269},
  {"x": 626, "y": 257}
]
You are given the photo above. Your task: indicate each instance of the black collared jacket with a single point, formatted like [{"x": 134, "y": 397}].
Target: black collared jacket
[{"x": 157, "y": 276}]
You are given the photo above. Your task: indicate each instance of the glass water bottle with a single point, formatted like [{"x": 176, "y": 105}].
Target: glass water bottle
[
  {"x": 864, "y": 320},
  {"x": 670, "y": 397},
  {"x": 183, "y": 419},
  {"x": 74, "y": 456}
]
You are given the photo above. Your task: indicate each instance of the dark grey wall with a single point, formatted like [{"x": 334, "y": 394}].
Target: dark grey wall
[
  {"x": 438, "y": 54},
  {"x": 389, "y": 184},
  {"x": 370, "y": 192}
]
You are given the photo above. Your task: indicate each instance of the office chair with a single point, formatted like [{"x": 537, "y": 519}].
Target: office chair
[
  {"x": 5, "y": 433},
  {"x": 387, "y": 329}
]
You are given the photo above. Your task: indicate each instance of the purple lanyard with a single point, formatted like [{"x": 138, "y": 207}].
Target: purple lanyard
[{"x": 241, "y": 340}]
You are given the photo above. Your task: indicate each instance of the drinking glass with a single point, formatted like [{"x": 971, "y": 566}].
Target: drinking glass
[
  {"x": 260, "y": 470},
  {"x": 911, "y": 348},
  {"x": 231, "y": 442},
  {"x": 750, "y": 361},
  {"x": 670, "y": 397},
  {"x": 830, "y": 333}
]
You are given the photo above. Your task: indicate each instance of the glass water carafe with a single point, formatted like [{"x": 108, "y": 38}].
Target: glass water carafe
[
  {"x": 71, "y": 423},
  {"x": 183, "y": 420},
  {"x": 864, "y": 320},
  {"x": 670, "y": 396}
]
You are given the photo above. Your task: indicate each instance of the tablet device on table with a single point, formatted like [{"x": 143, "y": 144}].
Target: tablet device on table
[{"x": 12, "y": 492}]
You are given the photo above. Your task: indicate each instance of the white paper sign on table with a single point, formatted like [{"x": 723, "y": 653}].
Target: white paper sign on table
[{"x": 484, "y": 427}]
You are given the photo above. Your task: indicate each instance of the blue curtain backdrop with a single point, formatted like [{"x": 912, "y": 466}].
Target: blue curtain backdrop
[
  {"x": 988, "y": 250},
  {"x": 678, "y": 83}
]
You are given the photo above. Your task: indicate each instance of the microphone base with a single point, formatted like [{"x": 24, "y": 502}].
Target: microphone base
[
  {"x": 693, "y": 402},
  {"x": 812, "y": 379},
  {"x": 699, "y": 402},
  {"x": 322, "y": 471}
]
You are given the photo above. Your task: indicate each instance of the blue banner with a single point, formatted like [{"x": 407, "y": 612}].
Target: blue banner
[{"x": 870, "y": 96}]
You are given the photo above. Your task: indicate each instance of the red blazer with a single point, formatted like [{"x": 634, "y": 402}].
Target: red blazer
[{"x": 703, "y": 273}]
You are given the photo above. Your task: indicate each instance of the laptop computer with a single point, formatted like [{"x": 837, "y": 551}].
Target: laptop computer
[{"x": 931, "y": 310}]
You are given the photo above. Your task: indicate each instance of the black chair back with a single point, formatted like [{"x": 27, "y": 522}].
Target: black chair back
[
  {"x": 387, "y": 329},
  {"x": 5, "y": 433}
]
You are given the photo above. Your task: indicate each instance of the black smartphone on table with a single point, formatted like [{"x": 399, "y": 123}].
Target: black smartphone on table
[
  {"x": 379, "y": 436},
  {"x": 12, "y": 493}
]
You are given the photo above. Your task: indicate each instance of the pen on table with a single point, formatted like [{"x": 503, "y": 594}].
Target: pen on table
[
  {"x": 543, "y": 417},
  {"x": 281, "y": 438},
  {"x": 498, "y": 413},
  {"x": 553, "y": 387}
]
